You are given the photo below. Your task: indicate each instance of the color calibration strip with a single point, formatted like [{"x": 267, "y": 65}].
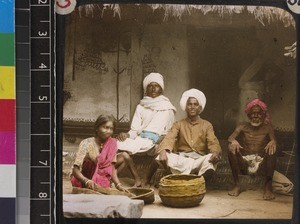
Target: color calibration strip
[{"x": 7, "y": 113}]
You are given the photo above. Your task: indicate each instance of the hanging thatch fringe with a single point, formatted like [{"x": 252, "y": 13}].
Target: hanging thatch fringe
[
  {"x": 88, "y": 9},
  {"x": 262, "y": 13},
  {"x": 291, "y": 50}
]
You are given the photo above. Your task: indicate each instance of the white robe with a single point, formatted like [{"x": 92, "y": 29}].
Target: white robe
[{"x": 147, "y": 119}]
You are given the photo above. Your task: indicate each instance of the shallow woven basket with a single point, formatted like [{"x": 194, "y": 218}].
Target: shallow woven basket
[
  {"x": 145, "y": 194},
  {"x": 181, "y": 190}
]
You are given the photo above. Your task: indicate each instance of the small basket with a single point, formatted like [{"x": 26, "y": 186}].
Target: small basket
[
  {"x": 145, "y": 194},
  {"x": 181, "y": 190}
]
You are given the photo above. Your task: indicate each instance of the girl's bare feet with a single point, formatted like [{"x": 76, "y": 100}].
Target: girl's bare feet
[
  {"x": 137, "y": 182},
  {"x": 146, "y": 183}
]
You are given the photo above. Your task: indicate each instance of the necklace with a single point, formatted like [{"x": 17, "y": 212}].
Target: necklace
[{"x": 101, "y": 145}]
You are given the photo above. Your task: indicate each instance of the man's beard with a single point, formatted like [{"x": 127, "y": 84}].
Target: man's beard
[{"x": 256, "y": 123}]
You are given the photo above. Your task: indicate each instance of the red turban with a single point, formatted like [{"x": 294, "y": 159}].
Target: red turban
[{"x": 262, "y": 105}]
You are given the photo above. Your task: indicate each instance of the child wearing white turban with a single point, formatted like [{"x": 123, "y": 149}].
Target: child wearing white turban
[{"x": 153, "y": 77}]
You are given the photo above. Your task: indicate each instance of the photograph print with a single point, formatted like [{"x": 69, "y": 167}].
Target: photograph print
[{"x": 178, "y": 111}]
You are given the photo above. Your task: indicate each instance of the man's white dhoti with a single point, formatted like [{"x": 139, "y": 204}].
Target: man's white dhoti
[
  {"x": 183, "y": 164},
  {"x": 137, "y": 145}
]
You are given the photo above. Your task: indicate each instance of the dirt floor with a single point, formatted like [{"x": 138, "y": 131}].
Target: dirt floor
[{"x": 217, "y": 204}]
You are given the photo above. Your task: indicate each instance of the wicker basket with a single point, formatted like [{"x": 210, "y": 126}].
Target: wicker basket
[
  {"x": 181, "y": 190},
  {"x": 145, "y": 194}
]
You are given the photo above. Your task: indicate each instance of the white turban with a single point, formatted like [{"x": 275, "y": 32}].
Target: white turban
[
  {"x": 193, "y": 93},
  {"x": 153, "y": 77}
]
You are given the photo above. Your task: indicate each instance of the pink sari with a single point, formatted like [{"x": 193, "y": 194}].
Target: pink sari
[{"x": 100, "y": 173}]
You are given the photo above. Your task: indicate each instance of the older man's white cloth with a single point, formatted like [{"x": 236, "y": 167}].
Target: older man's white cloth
[
  {"x": 253, "y": 162},
  {"x": 193, "y": 93},
  {"x": 152, "y": 114}
]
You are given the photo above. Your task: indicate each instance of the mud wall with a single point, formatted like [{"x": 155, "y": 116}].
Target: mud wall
[{"x": 231, "y": 59}]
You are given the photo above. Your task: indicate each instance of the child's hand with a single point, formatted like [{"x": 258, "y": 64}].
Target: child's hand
[
  {"x": 90, "y": 184},
  {"x": 235, "y": 147},
  {"x": 270, "y": 149},
  {"x": 163, "y": 158},
  {"x": 122, "y": 136},
  {"x": 120, "y": 187}
]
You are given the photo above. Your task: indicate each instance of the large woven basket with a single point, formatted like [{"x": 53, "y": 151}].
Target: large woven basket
[
  {"x": 145, "y": 194},
  {"x": 181, "y": 190}
]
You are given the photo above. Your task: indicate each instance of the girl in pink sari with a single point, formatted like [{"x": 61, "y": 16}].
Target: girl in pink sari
[{"x": 94, "y": 162}]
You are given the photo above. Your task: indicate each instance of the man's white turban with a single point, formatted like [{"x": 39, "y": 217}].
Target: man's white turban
[
  {"x": 153, "y": 77},
  {"x": 193, "y": 93}
]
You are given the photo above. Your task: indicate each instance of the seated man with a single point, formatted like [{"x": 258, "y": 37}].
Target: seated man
[
  {"x": 255, "y": 150},
  {"x": 191, "y": 145},
  {"x": 152, "y": 119}
]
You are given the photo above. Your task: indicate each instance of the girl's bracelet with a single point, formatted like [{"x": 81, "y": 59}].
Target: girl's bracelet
[{"x": 86, "y": 180}]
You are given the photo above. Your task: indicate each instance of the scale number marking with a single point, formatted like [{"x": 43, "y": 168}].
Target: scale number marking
[
  {"x": 43, "y": 195},
  {"x": 294, "y": 6},
  {"x": 44, "y": 163},
  {"x": 42, "y": 2}
]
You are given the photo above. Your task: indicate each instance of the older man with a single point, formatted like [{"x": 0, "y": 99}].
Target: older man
[
  {"x": 152, "y": 119},
  {"x": 252, "y": 148},
  {"x": 191, "y": 145}
]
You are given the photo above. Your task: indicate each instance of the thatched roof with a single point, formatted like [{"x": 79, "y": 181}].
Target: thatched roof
[{"x": 263, "y": 14}]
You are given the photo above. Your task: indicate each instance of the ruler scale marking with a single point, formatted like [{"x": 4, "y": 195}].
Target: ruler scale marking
[
  {"x": 22, "y": 29},
  {"x": 41, "y": 104}
]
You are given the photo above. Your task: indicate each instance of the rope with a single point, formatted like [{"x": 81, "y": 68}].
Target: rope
[{"x": 290, "y": 159}]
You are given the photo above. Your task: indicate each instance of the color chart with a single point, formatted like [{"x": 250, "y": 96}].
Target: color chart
[{"x": 7, "y": 113}]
